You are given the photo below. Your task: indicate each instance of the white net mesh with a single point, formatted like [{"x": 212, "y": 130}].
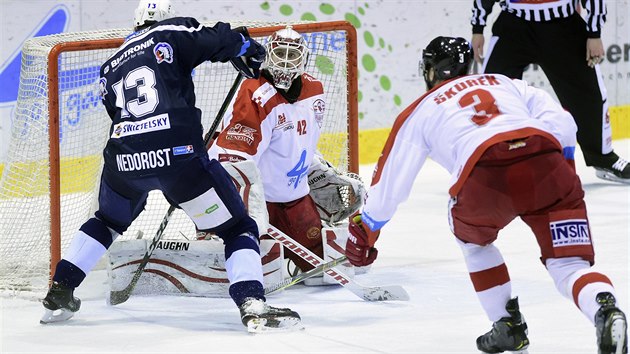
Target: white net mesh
[{"x": 24, "y": 178}]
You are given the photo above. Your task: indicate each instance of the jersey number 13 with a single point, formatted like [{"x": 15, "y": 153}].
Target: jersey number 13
[{"x": 145, "y": 99}]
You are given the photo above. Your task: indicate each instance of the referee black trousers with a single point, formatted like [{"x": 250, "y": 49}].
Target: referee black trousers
[{"x": 559, "y": 48}]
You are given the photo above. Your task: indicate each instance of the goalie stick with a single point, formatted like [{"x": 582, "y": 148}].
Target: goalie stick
[
  {"x": 303, "y": 276},
  {"x": 120, "y": 296},
  {"x": 367, "y": 293}
]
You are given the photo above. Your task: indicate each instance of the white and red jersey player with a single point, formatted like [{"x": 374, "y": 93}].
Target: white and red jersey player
[
  {"x": 509, "y": 149},
  {"x": 280, "y": 136},
  {"x": 454, "y": 124}
]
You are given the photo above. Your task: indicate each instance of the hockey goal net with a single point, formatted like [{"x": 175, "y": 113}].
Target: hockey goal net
[{"x": 49, "y": 181}]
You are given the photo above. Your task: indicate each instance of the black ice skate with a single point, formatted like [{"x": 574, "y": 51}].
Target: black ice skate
[
  {"x": 611, "y": 167},
  {"x": 611, "y": 326},
  {"x": 258, "y": 316},
  {"x": 61, "y": 299},
  {"x": 507, "y": 334}
]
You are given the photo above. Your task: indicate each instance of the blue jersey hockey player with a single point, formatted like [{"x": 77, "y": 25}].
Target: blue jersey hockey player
[{"x": 156, "y": 143}]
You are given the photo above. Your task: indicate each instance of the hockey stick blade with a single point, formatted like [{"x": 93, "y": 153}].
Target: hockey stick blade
[
  {"x": 367, "y": 293},
  {"x": 303, "y": 276},
  {"x": 119, "y": 296}
]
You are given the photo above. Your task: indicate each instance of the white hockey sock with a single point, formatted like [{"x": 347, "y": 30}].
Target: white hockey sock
[
  {"x": 84, "y": 252},
  {"x": 576, "y": 280},
  {"x": 243, "y": 265},
  {"x": 490, "y": 278}
]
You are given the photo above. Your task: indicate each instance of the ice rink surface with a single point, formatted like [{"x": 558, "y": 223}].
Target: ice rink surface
[{"x": 416, "y": 250}]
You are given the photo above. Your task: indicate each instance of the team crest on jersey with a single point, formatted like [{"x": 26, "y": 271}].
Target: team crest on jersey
[
  {"x": 241, "y": 133},
  {"x": 319, "y": 107},
  {"x": 163, "y": 52},
  {"x": 102, "y": 85}
]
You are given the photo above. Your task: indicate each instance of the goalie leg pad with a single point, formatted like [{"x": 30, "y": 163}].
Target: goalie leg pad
[
  {"x": 300, "y": 220},
  {"x": 334, "y": 243},
  {"x": 181, "y": 267},
  {"x": 246, "y": 178}
]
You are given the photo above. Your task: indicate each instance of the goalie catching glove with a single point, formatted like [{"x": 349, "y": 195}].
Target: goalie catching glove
[
  {"x": 251, "y": 56},
  {"x": 336, "y": 195},
  {"x": 360, "y": 245}
]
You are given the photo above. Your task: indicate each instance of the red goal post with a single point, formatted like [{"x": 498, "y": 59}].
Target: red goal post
[{"x": 76, "y": 128}]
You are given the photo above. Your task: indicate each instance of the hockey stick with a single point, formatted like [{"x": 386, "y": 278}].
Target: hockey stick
[
  {"x": 367, "y": 293},
  {"x": 303, "y": 276},
  {"x": 119, "y": 296}
]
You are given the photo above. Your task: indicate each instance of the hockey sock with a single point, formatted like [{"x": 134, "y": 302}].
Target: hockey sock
[{"x": 490, "y": 278}]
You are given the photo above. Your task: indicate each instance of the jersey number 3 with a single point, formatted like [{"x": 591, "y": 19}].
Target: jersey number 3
[{"x": 483, "y": 103}]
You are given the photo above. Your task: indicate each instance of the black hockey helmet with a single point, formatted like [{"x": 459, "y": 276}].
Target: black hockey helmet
[{"x": 449, "y": 57}]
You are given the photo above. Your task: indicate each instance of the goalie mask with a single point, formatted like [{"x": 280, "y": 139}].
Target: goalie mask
[
  {"x": 152, "y": 11},
  {"x": 449, "y": 57},
  {"x": 287, "y": 56}
]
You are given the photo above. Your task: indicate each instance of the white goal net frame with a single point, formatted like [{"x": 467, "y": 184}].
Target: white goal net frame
[{"x": 49, "y": 181}]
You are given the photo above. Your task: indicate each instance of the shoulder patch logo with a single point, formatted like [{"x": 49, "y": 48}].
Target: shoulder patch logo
[
  {"x": 319, "y": 107},
  {"x": 102, "y": 85},
  {"x": 163, "y": 52}
]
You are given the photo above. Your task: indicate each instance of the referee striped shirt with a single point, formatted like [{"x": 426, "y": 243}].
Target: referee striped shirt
[{"x": 541, "y": 11}]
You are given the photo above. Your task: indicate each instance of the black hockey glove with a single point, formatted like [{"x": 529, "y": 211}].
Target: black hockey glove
[{"x": 251, "y": 59}]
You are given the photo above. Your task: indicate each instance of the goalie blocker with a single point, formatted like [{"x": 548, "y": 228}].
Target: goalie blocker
[{"x": 197, "y": 267}]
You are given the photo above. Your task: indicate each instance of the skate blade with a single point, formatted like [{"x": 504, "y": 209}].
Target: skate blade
[
  {"x": 522, "y": 351},
  {"x": 259, "y": 325},
  {"x": 609, "y": 176},
  {"x": 618, "y": 334},
  {"x": 51, "y": 317}
]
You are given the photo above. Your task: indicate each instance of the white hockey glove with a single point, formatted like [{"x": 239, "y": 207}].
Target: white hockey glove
[{"x": 337, "y": 195}]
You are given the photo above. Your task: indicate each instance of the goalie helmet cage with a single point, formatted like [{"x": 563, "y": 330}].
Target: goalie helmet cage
[{"x": 49, "y": 181}]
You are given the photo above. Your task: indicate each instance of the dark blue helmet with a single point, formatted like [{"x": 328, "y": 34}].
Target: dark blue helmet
[{"x": 449, "y": 57}]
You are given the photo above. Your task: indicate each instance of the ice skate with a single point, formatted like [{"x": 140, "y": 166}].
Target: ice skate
[
  {"x": 611, "y": 167},
  {"x": 60, "y": 304},
  {"x": 507, "y": 334},
  {"x": 258, "y": 317},
  {"x": 611, "y": 325}
]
